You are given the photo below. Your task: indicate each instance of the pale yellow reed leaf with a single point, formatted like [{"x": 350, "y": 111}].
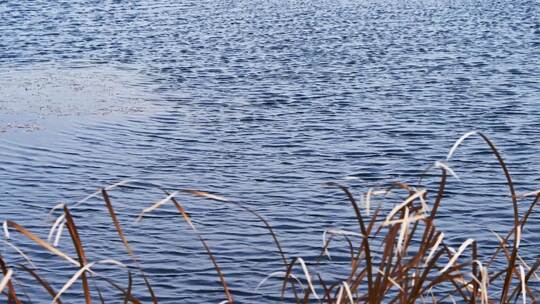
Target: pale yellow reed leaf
[
  {"x": 340, "y": 295},
  {"x": 80, "y": 272},
  {"x": 20, "y": 252},
  {"x": 308, "y": 278},
  {"x": 458, "y": 143},
  {"x": 6, "y": 230},
  {"x": 434, "y": 248},
  {"x": 55, "y": 225},
  {"x": 405, "y": 203},
  {"x": 441, "y": 165},
  {"x": 392, "y": 280},
  {"x": 206, "y": 194},
  {"x": 368, "y": 200},
  {"x": 403, "y": 231},
  {"x": 157, "y": 205},
  {"x": 457, "y": 254},
  {"x": 410, "y": 220},
  {"x": 349, "y": 293},
  {"x": 523, "y": 284},
  {"x": 59, "y": 234},
  {"x": 280, "y": 274},
  {"x": 5, "y": 279}
]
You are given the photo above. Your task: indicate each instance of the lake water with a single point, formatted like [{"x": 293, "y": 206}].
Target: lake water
[{"x": 260, "y": 101}]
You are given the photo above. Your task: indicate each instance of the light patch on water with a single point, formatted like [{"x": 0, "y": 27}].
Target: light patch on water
[{"x": 35, "y": 97}]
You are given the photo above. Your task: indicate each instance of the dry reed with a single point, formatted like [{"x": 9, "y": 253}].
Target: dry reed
[{"x": 412, "y": 260}]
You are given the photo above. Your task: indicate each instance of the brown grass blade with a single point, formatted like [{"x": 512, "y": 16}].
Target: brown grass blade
[
  {"x": 256, "y": 214},
  {"x": 81, "y": 272},
  {"x": 206, "y": 195},
  {"x": 495, "y": 151},
  {"x": 208, "y": 251},
  {"x": 457, "y": 254},
  {"x": 129, "y": 250},
  {"x": 130, "y": 284},
  {"x": 133, "y": 299},
  {"x": 280, "y": 274},
  {"x": 363, "y": 231},
  {"x": 21, "y": 253},
  {"x": 42, "y": 282},
  {"x": 72, "y": 280},
  {"x": 157, "y": 205},
  {"x": 40, "y": 242},
  {"x": 7, "y": 281},
  {"x": 72, "y": 228}
]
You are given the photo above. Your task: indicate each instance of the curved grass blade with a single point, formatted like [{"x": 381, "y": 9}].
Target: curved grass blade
[
  {"x": 80, "y": 252},
  {"x": 7, "y": 281},
  {"x": 42, "y": 282},
  {"x": 130, "y": 251},
  {"x": 41, "y": 242},
  {"x": 260, "y": 217}
]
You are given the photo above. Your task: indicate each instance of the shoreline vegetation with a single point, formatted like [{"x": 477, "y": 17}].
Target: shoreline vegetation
[{"x": 395, "y": 256}]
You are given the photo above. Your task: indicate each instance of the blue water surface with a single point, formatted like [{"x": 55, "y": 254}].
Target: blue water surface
[{"x": 261, "y": 102}]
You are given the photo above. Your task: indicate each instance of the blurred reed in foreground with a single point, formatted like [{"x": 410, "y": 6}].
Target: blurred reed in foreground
[{"x": 395, "y": 256}]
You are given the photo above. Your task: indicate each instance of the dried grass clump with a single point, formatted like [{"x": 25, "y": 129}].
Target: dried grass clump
[{"x": 399, "y": 256}]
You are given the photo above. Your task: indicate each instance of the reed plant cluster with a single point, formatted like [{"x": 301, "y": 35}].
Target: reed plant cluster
[{"x": 395, "y": 256}]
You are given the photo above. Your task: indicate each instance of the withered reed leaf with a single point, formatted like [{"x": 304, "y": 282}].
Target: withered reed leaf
[
  {"x": 256, "y": 214},
  {"x": 42, "y": 282},
  {"x": 130, "y": 284},
  {"x": 523, "y": 284},
  {"x": 434, "y": 248},
  {"x": 409, "y": 199},
  {"x": 77, "y": 243},
  {"x": 512, "y": 260},
  {"x": 125, "y": 242},
  {"x": 457, "y": 255},
  {"x": 12, "y": 295},
  {"x": 41, "y": 242},
  {"x": 365, "y": 242},
  {"x": 5, "y": 279},
  {"x": 157, "y": 205},
  {"x": 207, "y": 248},
  {"x": 20, "y": 252},
  {"x": 206, "y": 195},
  {"x": 279, "y": 274},
  {"x": 459, "y": 142},
  {"x": 55, "y": 225},
  {"x": 80, "y": 273}
]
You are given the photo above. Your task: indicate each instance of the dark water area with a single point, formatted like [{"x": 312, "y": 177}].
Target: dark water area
[{"x": 263, "y": 102}]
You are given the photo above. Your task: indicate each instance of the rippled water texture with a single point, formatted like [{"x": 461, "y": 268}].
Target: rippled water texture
[{"x": 261, "y": 101}]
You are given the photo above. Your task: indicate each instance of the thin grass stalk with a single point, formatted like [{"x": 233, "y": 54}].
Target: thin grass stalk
[
  {"x": 96, "y": 287},
  {"x": 41, "y": 282},
  {"x": 386, "y": 263},
  {"x": 475, "y": 272},
  {"x": 80, "y": 252},
  {"x": 130, "y": 284},
  {"x": 133, "y": 299},
  {"x": 415, "y": 292},
  {"x": 256, "y": 214},
  {"x": 40, "y": 242},
  {"x": 522, "y": 221},
  {"x": 512, "y": 260},
  {"x": 365, "y": 241},
  {"x": 360, "y": 251},
  {"x": 208, "y": 251},
  {"x": 130, "y": 251},
  {"x": 12, "y": 295},
  {"x": 288, "y": 273}
]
